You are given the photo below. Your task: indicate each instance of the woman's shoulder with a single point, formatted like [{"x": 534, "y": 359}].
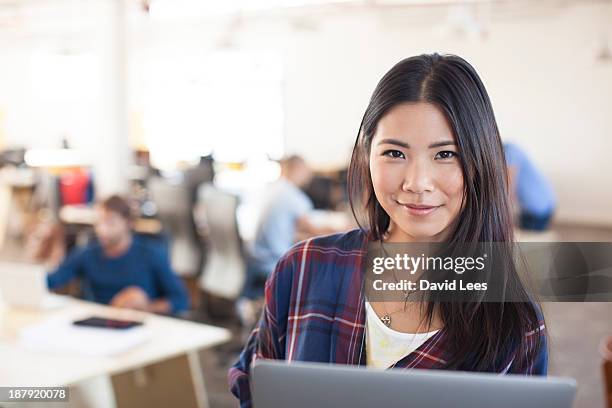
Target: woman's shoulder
[
  {"x": 318, "y": 266},
  {"x": 350, "y": 243},
  {"x": 323, "y": 251}
]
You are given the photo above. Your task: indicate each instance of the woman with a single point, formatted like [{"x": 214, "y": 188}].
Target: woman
[{"x": 428, "y": 164}]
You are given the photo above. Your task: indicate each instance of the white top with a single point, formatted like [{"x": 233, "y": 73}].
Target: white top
[{"x": 386, "y": 346}]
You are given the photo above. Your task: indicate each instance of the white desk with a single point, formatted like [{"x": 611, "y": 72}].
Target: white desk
[{"x": 170, "y": 338}]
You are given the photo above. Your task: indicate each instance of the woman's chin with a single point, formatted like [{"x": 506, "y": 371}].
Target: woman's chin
[{"x": 419, "y": 233}]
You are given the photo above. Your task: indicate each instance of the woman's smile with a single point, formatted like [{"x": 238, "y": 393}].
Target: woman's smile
[{"x": 418, "y": 209}]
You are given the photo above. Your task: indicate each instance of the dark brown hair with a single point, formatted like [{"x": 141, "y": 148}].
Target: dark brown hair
[
  {"x": 118, "y": 205},
  {"x": 481, "y": 332}
]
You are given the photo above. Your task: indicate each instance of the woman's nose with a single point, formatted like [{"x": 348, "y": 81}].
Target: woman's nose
[{"x": 418, "y": 178}]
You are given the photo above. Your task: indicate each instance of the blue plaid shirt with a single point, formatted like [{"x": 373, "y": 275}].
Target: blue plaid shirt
[{"x": 315, "y": 311}]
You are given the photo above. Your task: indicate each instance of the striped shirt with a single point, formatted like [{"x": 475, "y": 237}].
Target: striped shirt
[{"x": 315, "y": 311}]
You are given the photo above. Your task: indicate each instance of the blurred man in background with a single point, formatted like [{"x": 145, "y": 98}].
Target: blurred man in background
[
  {"x": 121, "y": 269},
  {"x": 284, "y": 216},
  {"x": 532, "y": 193}
]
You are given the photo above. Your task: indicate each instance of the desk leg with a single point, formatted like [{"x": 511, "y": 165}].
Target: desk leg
[
  {"x": 176, "y": 382},
  {"x": 93, "y": 393},
  {"x": 197, "y": 379}
]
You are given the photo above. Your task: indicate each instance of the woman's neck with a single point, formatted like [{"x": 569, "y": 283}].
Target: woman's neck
[{"x": 413, "y": 319}]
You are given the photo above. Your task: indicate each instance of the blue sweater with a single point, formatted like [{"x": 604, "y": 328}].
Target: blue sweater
[{"x": 144, "y": 265}]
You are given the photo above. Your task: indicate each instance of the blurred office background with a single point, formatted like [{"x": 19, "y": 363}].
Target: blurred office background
[{"x": 185, "y": 107}]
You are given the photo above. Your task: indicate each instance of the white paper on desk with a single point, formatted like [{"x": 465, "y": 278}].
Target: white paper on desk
[{"x": 57, "y": 335}]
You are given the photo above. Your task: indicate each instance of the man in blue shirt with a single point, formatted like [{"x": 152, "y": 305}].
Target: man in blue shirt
[
  {"x": 531, "y": 189},
  {"x": 284, "y": 214},
  {"x": 122, "y": 270}
]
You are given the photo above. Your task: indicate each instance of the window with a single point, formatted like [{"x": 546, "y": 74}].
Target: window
[{"x": 228, "y": 103}]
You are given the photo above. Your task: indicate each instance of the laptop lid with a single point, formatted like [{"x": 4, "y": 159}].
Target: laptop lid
[
  {"x": 23, "y": 284},
  {"x": 304, "y": 385}
]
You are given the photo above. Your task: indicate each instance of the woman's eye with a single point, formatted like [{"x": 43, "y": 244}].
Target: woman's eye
[
  {"x": 396, "y": 154},
  {"x": 446, "y": 154}
]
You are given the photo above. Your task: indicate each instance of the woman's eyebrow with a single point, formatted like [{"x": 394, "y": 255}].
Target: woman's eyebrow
[
  {"x": 442, "y": 143},
  {"x": 394, "y": 142},
  {"x": 407, "y": 146}
]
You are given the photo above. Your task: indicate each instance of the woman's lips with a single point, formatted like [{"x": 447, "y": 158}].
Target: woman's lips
[{"x": 419, "y": 209}]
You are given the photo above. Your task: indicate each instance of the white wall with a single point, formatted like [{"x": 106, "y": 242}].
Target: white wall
[
  {"x": 548, "y": 93},
  {"x": 43, "y": 99},
  {"x": 539, "y": 67}
]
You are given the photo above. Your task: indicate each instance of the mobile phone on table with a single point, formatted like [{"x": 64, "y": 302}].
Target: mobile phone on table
[{"x": 105, "y": 323}]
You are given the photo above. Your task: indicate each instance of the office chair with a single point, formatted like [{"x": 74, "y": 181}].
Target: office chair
[
  {"x": 174, "y": 209},
  {"x": 224, "y": 272}
]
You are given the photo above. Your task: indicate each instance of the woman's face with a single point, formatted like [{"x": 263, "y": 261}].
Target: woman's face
[{"x": 416, "y": 172}]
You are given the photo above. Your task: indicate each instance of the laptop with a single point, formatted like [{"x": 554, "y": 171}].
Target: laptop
[
  {"x": 305, "y": 385},
  {"x": 25, "y": 285}
]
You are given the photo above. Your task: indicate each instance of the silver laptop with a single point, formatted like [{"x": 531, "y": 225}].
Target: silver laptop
[
  {"x": 25, "y": 285},
  {"x": 305, "y": 385}
]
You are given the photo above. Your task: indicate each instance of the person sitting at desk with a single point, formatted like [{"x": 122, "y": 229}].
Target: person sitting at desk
[
  {"x": 284, "y": 215},
  {"x": 123, "y": 270}
]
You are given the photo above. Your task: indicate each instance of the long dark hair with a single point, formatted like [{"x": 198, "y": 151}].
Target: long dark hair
[{"x": 482, "y": 333}]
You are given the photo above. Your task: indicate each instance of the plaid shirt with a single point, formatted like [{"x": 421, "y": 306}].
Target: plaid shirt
[{"x": 315, "y": 311}]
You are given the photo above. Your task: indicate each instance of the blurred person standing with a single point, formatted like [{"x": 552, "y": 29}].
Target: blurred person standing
[
  {"x": 532, "y": 192},
  {"x": 284, "y": 215},
  {"x": 121, "y": 269}
]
